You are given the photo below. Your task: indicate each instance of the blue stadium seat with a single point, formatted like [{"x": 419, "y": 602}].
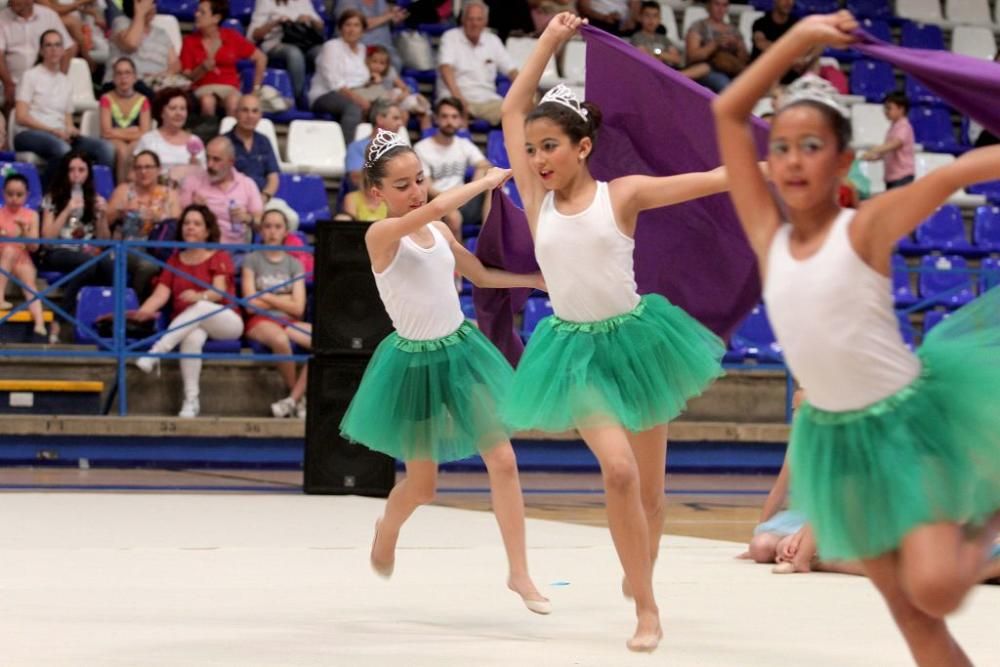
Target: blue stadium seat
[
  {"x": 435, "y": 29},
  {"x": 932, "y": 318},
  {"x": 496, "y": 152},
  {"x": 754, "y": 339},
  {"x": 234, "y": 24},
  {"x": 241, "y": 10},
  {"x": 986, "y": 229},
  {"x": 305, "y": 193},
  {"x": 280, "y": 81},
  {"x": 510, "y": 189},
  {"x": 182, "y": 9},
  {"x": 901, "y": 290},
  {"x": 762, "y": 5},
  {"x": 873, "y": 79},
  {"x": 104, "y": 180},
  {"x": 468, "y": 308},
  {"x": 922, "y": 36},
  {"x": 29, "y": 171},
  {"x": 945, "y": 279},
  {"x": 806, "y": 7},
  {"x": 222, "y": 346},
  {"x": 944, "y": 231},
  {"x": 878, "y": 27},
  {"x": 873, "y": 9},
  {"x": 991, "y": 274},
  {"x": 989, "y": 189},
  {"x": 479, "y": 125},
  {"x": 471, "y": 243},
  {"x": 535, "y": 310},
  {"x": 421, "y": 75},
  {"x": 906, "y": 328},
  {"x": 932, "y": 128},
  {"x": 93, "y": 302},
  {"x": 917, "y": 93}
]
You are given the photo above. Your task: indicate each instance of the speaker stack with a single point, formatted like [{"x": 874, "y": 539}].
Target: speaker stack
[{"x": 350, "y": 321}]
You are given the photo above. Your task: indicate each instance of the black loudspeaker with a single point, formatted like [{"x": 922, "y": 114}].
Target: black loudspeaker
[
  {"x": 350, "y": 317},
  {"x": 334, "y": 465}
]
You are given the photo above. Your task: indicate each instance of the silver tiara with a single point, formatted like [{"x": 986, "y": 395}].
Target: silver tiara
[
  {"x": 561, "y": 94},
  {"x": 813, "y": 89},
  {"x": 383, "y": 142}
]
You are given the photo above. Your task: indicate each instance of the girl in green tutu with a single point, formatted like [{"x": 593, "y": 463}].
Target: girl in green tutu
[
  {"x": 432, "y": 389},
  {"x": 895, "y": 456},
  {"x": 614, "y": 366}
]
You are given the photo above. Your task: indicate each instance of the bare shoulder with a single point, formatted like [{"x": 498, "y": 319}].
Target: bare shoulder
[{"x": 445, "y": 231}]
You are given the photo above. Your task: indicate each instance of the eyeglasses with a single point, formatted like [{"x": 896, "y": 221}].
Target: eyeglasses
[
  {"x": 144, "y": 167},
  {"x": 52, "y": 45}
]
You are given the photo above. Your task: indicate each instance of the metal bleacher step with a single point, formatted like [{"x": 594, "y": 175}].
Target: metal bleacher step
[{"x": 43, "y": 396}]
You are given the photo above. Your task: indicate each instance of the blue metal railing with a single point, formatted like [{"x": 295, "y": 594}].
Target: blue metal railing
[{"x": 119, "y": 347}]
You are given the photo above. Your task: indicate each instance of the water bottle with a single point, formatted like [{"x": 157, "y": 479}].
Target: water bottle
[
  {"x": 236, "y": 226},
  {"x": 76, "y": 213}
]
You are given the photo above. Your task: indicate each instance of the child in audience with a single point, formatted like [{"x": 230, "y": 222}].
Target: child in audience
[
  {"x": 897, "y": 149},
  {"x": 17, "y": 220}
]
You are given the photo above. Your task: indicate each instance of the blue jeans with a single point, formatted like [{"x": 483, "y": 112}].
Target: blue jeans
[
  {"x": 51, "y": 148},
  {"x": 715, "y": 81},
  {"x": 295, "y": 63}
]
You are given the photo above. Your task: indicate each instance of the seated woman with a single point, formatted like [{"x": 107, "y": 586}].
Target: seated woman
[
  {"x": 189, "y": 302},
  {"x": 72, "y": 209},
  {"x": 135, "y": 209},
  {"x": 340, "y": 69},
  {"x": 178, "y": 150},
  {"x": 267, "y": 28},
  {"x": 157, "y": 63},
  {"x": 125, "y": 116},
  {"x": 278, "y": 322},
  {"x": 713, "y": 41},
  {"x": 16, "y": 220},
  {"x": 209, "y": 57}
]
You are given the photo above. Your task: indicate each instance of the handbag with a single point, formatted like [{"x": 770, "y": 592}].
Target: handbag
[
  {"x": 726, "y": 62},
  {"x": 301, "y": 35}
]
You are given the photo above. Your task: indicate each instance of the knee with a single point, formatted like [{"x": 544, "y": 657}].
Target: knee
[
  {"x": 280, "y": 344},
  {"x": 763, "y": 548},
  {"x": 653, "y": 502},
  {"x": 501, "y": 461},
  {"x": 425, "y": 491},
  {"x": 193, "y": 343},
  {"x": 936, "y": 595},
  {"x": 621, "y": 475}
]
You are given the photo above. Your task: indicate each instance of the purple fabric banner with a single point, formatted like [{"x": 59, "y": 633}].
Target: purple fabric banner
[
  {"x": 971, "y": 85},
  {"x": 659, "y": 123}
]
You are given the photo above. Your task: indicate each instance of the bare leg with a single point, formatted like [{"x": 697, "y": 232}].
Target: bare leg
[
  {"x": 232, "y": 101},
  {"x": 123, "y": 159},
  {"x": 417, "y": 489},
  {"x": 930, "y": 642},
  {"x": 8, "y": 255},
  {"x": 508, "y": 506},
  {"x": 25, "y": 271},
  {"x": 209, "y": 103},
  {"x": 629, "y": 530},
  {"x": 650, "y": 450},
  {"x": 274, "y": 337}
]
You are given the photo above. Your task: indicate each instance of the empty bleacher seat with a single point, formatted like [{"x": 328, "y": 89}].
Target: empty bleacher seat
[
  {"x": 83, "y": 85},
  {"x": 918, "y": 94},
  {"x": 468, "y": 308},
  {"x": 880, "y": 9},
  {"x": 928, "y": 11},
  {"x": 872, "y": 79},
  {"x": 975, "y": 41},
  {"x": 182, "y": 10},
  {"x": 990, "y": 277},
  {"x": 754, "y": 340},
  {"x": 945, "y": 279},
  {"x": 535, "y": 310},
  {"x": 986, "y": 229},
  {"x": 804, "y": 7},
  {"x": 575, "y": 62},
  {"x": 90, "y": 123},
  {"x": 932, "y": 318},
  {"x": 668, "y": 19},
  {"x": 306, "y": 194},
  {"x": 928, "y": 162},
  {"x": 94, "y": 302},
  {"x": 317, "y": 146},
  {"x": 901, "y": 289},
  {"x": 877, "y": 27},
  {"x": 104, "y": 180},
  {"x": 242, "y": 10},
  {"x": 932, "y": 129},
  {"x": 521, "y": 47},
  {"x": 868, "y": 125},
  {"x": 234, "y": 24},
  {"x": 496, "y": 152},
  {"x": 922, "y": 36},
  {"x": 972, "y": 12},
  {"x": 944, "y": 231},
  {"x": 746, "y": 26}
]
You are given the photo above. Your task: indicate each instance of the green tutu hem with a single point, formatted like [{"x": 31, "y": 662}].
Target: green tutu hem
[
  {"x": 929, "y": 453},
  {"x": 636, "y": 370},
  {"x": 431, "y": 399}
]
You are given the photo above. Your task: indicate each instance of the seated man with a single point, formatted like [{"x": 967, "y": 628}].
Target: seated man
[
  {"x": 255, "y": 156},
  {"x": 384, "y": 115},
  {"x": 618, "y": 17}
]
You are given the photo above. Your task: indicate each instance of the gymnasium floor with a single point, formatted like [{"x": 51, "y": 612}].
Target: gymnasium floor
[{"x": 136, "y": 567}]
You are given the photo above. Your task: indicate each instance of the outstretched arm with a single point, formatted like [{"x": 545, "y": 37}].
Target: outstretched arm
[
  {"x": 519, "y": 102},
  {"x": 758, "y": 212},
  {"x": 481, "y": 276}
]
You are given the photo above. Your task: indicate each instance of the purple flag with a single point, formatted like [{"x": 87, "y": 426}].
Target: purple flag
[
  {"x": 656, "y": 122},
  {"x": 971, "y": 85}
]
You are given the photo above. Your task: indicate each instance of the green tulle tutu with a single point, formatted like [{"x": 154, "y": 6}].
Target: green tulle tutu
[
  {"x": 431, "y": 399},
  {"x": 637, "y": 369},
  {"x": 929, "y": 453}
]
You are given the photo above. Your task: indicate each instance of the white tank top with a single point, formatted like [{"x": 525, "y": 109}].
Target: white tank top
[
  {"x": 586, "y": 260},
  {"x": 418, "y": 290},
  {"x": 833, "y": 316}
]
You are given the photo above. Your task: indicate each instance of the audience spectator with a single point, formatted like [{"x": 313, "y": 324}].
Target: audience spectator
[
  {"x": 385, "y": 116},
  {"x": 232, "y": 197},
  {"x": 446, "y": 157},
  {"x": 136, "y": 209},
  {"x": 469, "y": 59},
  {"x": 542, "y": 11},
  {"x": 510, "y": 17},
  {"x": 197, "y": 313},
  {"x": 619, "y": 17},
  {"x": 85, "y": 22},
  {"x": 769, "y": 28},
  {"x": 340, "y": 68},
  {"x": 385, "y": 84},
  {"x": 652, "y": 38},
  {"x": 381, "y": 17},
  {"x": 17, "y": 220},
  {"x": 178, "y": 149},
  {"x": 22, "y": 24},
  {"x": 125, "y": 115},
  {"x": 713, "y": 41},
  {"x": 72, "y": 209},
  {"x": 157, "y": 63},
  {"x": 209, "y": 57},
  {"x": 280, "y": 311},
  {"x": 44, "y": 111},
  {"x": 290, "y": 31},
  {"x": 361, "y": 206},
  {"x": 897, "y": 151},
  {"x": 255, "y": 156}
]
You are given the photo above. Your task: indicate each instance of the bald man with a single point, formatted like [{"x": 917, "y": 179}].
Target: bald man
[{"x": 254, "y": 154}]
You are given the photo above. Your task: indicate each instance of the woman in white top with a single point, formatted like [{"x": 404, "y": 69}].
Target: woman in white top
[
  {"x": 178, "y": 149},
  {"x": 44, "y": 111},
  {"x": 895, "y": 456},
  {"x": 431, "y": 390},
  {"x": 614, "y": 366},
  {"x": 267, "y": 28},
  {"x": 340, "y": 67}
]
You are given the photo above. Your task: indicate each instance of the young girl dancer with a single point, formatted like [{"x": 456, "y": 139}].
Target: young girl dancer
[
  {"x": 895, "y": 456},
  {"x": 439, "y": 377},
  {"x": 615, "y": 366}
]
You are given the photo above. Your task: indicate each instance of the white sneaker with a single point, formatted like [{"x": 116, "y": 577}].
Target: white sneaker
[
  {"x": 300, "y": 408},
  {"x": 147, "y": 364},
  {"x": 190, "y": 408},
  {"x": 283, "y": 408}
]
